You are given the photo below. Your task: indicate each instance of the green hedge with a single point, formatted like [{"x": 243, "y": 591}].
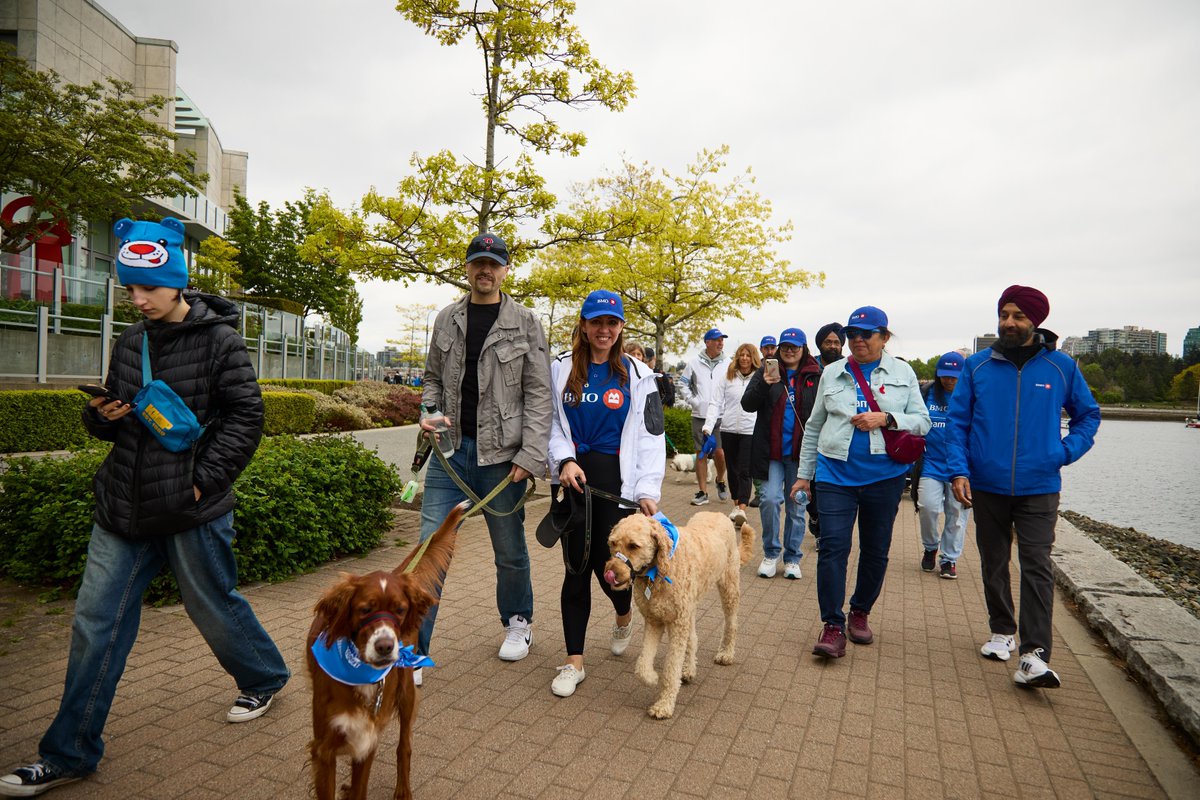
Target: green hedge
[
  {"x": 122, "y": 312},
  {"x": 679, "y": 430},
  {"x": 42, "y": 419},
  {"x": 300, "y": 504},
  {"x": 288, "y": 412},
  {"x": 324, "y": 387}
]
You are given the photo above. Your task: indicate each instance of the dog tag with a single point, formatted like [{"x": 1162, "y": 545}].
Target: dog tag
[
  {"x": 410, "y": 491},
  {"x": 647, "y": 591}
]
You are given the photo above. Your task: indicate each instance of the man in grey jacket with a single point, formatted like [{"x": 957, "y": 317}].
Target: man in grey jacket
[{"x": 488, "y": 375}]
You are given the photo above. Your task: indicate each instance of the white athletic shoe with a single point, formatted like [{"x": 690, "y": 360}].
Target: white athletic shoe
[
  {"x": 792, "y": 571},
  {"x": 999, "y": 647},
  {"x": 767, "y": 568},
  {"x": 622, "y": 635},
  {"x": 738, "y": 516},
  {"x": 1033, "y": 672},
  {"x": 567, "y": 679},
  {"x": 518, "y": 636}
]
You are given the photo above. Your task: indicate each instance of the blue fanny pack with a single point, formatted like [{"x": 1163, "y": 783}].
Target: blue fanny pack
[{"x": 163, "y": 412}]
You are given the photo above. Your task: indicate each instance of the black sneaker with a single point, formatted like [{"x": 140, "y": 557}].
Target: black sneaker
[
  {"x": 722, "y": 491},
  {"x": 701, "y": 499},
  {"x": 929, "y": 560},
  {"x": 249, "y": 705},
  {"x": 754, "y": 502},
  {"x": 33, "y": 780},
  {"x": 949, "y": 570}
]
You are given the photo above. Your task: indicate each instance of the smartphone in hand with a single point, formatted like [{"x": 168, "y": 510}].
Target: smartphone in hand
[
  {"x": 771, "y": 367},
  {"x": 97, "y": 391}
]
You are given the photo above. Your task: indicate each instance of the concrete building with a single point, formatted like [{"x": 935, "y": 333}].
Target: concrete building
[
  {"x": 1129, "y": 339},
  {"x": 82, "y": 42},
  {"x": 1191, "y": 342},
  {"x": 984, "y": 341}
]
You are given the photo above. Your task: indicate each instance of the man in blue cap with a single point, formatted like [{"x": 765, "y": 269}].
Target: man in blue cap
[
  {"x": 696, "y": 388},
  {"x": 767, "y": 346}
]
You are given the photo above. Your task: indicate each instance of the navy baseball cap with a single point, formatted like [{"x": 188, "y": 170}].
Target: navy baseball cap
[
  {"x": 793, "y": 336},
  {"x": 488, "y": 245},
  {"x": 603, "y": 303},
  {"x": 768, "y": 341},
  {"x": 714, "y": 334},
  {"x": 950, "y": 365},
  {"x": 868, "y": 318}
]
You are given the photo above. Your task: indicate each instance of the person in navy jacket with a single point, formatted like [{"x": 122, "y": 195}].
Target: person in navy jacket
[{"x": 1006, "y": 451}]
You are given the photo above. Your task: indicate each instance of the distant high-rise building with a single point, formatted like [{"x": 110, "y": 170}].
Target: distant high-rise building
[
  {"x": 1191, "y": 342},
  {"x": 1072, "y": 346},
  {"x": 1130, "y": 339},
  {"x": 984, "y": 341}
]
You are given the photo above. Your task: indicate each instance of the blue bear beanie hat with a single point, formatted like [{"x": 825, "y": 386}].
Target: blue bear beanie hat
[{"x": 151, "y": 253}]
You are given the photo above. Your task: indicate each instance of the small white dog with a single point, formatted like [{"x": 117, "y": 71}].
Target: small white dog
[{"x": 686, "y": 462}]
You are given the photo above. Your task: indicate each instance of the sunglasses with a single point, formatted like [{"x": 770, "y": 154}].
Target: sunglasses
[{"x": 859, "y": 333}]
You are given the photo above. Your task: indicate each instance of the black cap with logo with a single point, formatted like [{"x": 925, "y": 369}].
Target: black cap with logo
[{"x": 488, "y": 245}]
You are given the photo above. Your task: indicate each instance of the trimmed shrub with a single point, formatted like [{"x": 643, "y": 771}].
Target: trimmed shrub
[
  {"x": 324, "y": 387},
  {"x": 42, "y": 419},
  {"x": 332, "y": 416},
  {"x": 387, "y": 404},
  {"x": 300, "y": 503},
  {"x": 679, "y": 430},
  {"x": 288, "y": 412}
]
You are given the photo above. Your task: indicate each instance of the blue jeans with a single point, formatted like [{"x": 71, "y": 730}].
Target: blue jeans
[
  {"x": 936, "y": 497},
  {"x": 875, "y": 507},
  {"x": 777, "y": 496},
  {"x": 514, "y": 589},
  {"x": 107, "y": 613}
]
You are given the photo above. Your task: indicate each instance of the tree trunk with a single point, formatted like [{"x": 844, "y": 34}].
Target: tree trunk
[{"x": 485, "y": 208}]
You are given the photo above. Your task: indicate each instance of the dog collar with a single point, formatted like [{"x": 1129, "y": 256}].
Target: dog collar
[{"x": 341, "y": 661}]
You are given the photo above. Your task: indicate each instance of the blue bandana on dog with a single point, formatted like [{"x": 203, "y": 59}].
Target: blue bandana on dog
[
  {"x": 673, "y": 535},
  {"x": 342, "y": 662}
]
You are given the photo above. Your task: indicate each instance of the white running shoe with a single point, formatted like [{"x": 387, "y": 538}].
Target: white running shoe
[
  {"x": 622, "y": 635},
  {"x": 999, "y": 647},
  {"x": 518, "y": 636},
  {"x": 567, "y": 679},
  {"x": 767, "y": 568},
  {"x": 1033, "y": 672},
  {"x": 792, "y": 571}
]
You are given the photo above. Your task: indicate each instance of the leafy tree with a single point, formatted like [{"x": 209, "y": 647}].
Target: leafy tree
[
  {"x": 1135, "y": 377},
  {"x": 532, "y": 60},
  {"x": 1185, "y": 386},
  {"x": 81, "y": 152},
  {"x": 1094, "y": 375},
  {"x": 414, "y": 333},
  {"x": 217, "y": 270},
  {"x": 688, "y": 250}
]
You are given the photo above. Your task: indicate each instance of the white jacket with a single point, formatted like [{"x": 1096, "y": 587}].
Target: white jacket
[
  {"x": 643, "y": 455},
  {"x": 726, "y": 405},
  {"x": 697, "y": 381}
]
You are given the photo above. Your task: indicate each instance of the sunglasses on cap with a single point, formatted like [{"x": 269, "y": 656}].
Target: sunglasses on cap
[{"x": 859, "y": 333}]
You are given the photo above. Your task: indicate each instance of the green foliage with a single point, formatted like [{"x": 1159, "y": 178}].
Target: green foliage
[
  {"x": 678, "y": 422},
  {"x": 82, "y": 152},
  {"x": 42, "y": 419},
  {"x": 80, "y": 312},
  {"x": 1186, "y": 385},
  {"x": 217, "y": 271},
  {"x": 300, "y": 504},
  {"x": 685, "y": 251},
  {"x": 385, "y": 403},
  {"x": 324, "y": 387},
  {"x": 534, "y": 60},
  {"x": 1132, "y": 378},
  {"x": 331, "y": 414},
  {"x": 288, "y": 412}
]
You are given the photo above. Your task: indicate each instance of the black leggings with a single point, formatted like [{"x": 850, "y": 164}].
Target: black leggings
[
  {"x": 602, "y": 472},
  {"x": 737, "y": 463}
]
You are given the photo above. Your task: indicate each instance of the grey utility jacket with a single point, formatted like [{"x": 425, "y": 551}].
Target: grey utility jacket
[{"x": 514, "y": 410}]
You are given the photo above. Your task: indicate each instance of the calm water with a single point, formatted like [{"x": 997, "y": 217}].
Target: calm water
[{"x": 1141, "y": 475}]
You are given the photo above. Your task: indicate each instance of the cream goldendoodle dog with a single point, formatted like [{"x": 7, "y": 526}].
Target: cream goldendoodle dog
[{"x": 669, "y": 578}]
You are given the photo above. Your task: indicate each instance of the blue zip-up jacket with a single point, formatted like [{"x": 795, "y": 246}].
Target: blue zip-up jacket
[{"x": 1005, "y": 433}]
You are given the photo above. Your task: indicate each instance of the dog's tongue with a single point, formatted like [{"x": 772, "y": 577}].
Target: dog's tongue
[{"x": 610, "y": 577}]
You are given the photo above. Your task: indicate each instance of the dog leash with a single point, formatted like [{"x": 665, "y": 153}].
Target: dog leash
[{"x": 588, "y": 491}]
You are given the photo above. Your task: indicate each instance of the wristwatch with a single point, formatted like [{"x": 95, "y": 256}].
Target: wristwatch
[{"x": 891, "y": 421}]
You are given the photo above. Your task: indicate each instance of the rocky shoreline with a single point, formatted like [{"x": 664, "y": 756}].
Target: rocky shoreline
[{"x": 1173, "y": 568}]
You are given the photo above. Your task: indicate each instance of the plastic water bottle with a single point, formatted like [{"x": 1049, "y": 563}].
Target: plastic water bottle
[
  {"x": 445, "y": 442},
  {"x": 801, "y": 498}
]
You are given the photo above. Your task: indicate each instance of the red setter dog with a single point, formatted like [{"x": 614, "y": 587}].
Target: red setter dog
[{"x": 362, "y": 624}]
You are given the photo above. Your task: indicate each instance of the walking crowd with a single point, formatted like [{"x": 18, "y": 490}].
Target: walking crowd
[{"x": 816, "y": 438}]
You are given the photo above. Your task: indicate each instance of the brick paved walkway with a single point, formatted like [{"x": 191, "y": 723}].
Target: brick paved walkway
[{"x": 917, "y": 714}]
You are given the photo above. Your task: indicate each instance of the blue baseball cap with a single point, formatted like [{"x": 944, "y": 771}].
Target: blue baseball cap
[
  {"x": 868, "y": 318},
  {"x": 950, "y": 365},
  {"x": 768, "y": 341},
  {"x": 714, "y": 334},
  {"x": 793, "y": 336},
  {"x": 603, "y": 303}
]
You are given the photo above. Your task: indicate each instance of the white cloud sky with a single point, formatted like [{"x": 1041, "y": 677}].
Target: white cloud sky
[{"x": 928, "y": 153}]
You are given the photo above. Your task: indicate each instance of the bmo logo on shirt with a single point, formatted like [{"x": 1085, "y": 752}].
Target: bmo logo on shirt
[{"x": 613, "y": 399}]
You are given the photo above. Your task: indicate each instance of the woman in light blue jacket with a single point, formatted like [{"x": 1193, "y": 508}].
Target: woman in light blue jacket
[{"x": 844, "y": 450}]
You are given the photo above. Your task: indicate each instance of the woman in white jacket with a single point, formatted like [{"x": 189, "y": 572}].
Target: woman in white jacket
[
  {"x": 737, "y": 424},
  {"x": 607, "y": 432}
]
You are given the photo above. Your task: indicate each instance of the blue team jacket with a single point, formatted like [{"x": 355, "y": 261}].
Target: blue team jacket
[{"x": 1004, "y": 428}]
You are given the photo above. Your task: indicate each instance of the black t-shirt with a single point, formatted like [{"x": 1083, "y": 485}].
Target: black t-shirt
[{"x": 480, "y": 319}]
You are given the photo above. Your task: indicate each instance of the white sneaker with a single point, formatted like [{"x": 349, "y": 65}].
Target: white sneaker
[
  {"x": 792, "y": 571},
  {"x": 767, "y": 568},
  {"x": 1033, "y": 672},
  {"x": 567, "y": 679},
  {"x": 417, "y": 677},
  {"x": 999, "y": 647},
  {"x": 738, "y": 517},
  {"x": 518, "y": 636},
  {"x": 622, "y": 635}
]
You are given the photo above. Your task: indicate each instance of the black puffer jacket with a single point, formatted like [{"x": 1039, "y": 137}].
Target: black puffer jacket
[{"x": 143, "y": 490}]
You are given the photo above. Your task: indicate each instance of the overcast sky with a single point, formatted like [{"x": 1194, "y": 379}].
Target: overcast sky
[{"x": 928, "y": 153}]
